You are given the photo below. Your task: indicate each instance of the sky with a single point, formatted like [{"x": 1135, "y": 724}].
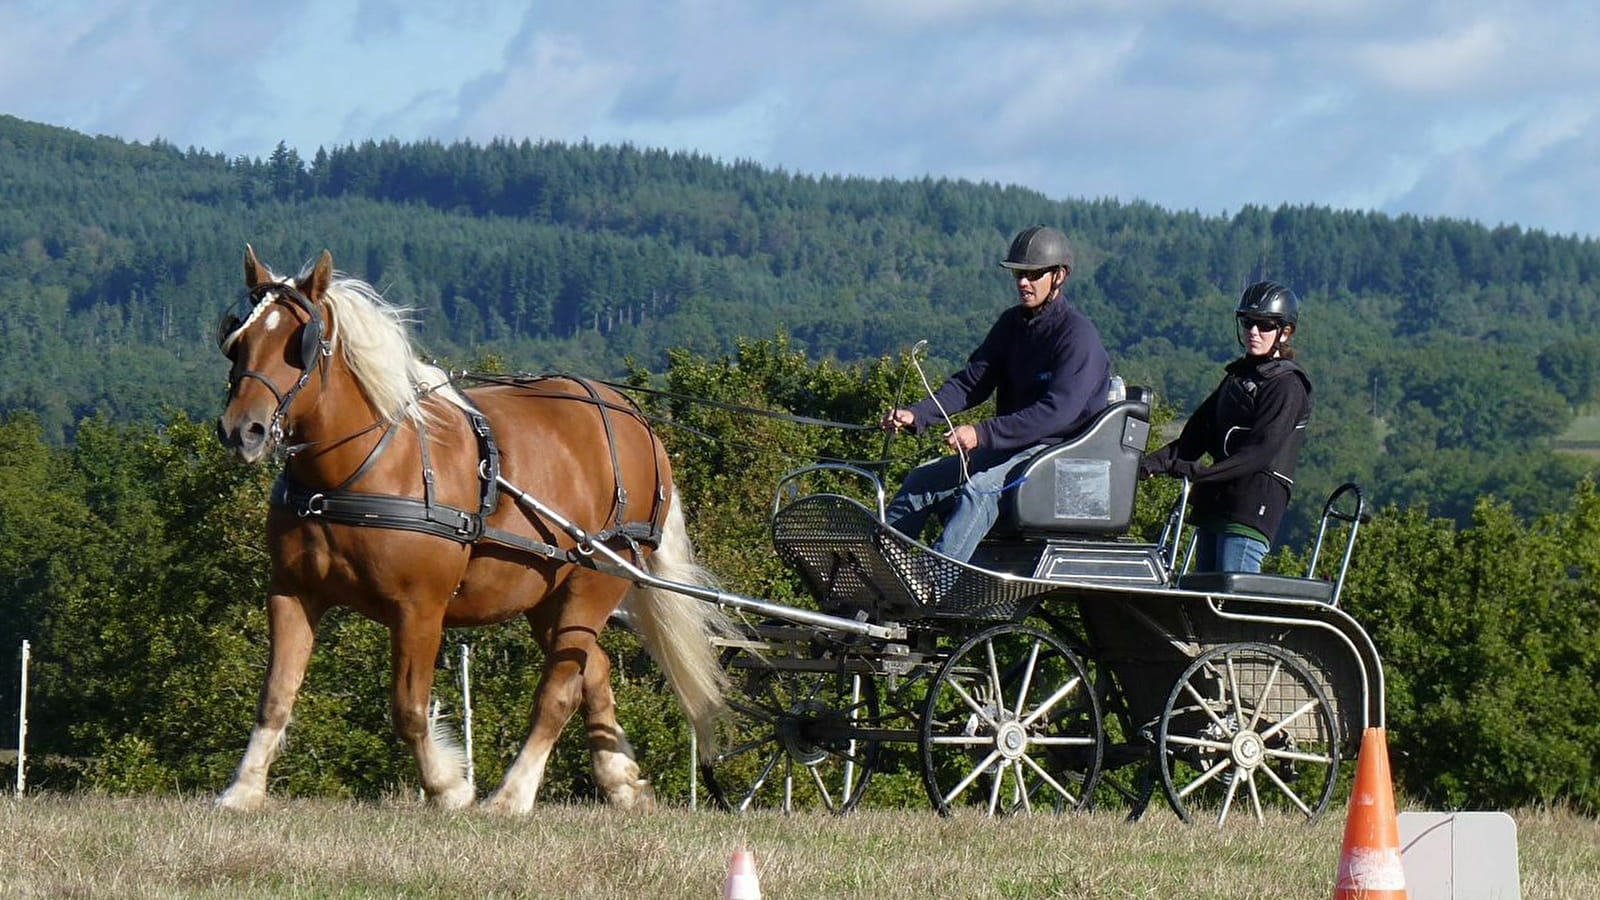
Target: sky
[{"x": 1464, "y": 109}]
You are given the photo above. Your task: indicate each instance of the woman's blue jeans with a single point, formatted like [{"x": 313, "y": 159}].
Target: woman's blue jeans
[
  {"x": 969, "y": 509},
  {"x": 1216, "y": 551}
]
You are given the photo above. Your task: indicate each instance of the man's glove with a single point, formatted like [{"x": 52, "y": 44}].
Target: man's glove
[{"x": 1149, "y": 466}]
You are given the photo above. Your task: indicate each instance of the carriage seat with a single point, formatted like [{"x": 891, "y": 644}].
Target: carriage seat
[
  {"x": 1085, "y": 485},
  {"x": 1278, "y": 587}
]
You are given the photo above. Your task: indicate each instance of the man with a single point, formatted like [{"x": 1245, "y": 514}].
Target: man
[{"x": 1049, "y": 373}]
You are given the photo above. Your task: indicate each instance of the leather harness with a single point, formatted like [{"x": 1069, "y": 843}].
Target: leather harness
[{"x": 427, "y": 515}]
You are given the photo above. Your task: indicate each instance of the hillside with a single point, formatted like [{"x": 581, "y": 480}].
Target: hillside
[{"x": 1446, "y": 355}]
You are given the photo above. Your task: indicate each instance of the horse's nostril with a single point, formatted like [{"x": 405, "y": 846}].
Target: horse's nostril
[{"x": 253, "y": 436}]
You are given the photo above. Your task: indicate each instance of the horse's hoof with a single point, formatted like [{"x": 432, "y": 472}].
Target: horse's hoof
[
  {"x": 240, "y": 801},
  {"x": 499, "y": 805},
  {"x": 456, "y": 798},
  {"x": 636, "y": 797}
]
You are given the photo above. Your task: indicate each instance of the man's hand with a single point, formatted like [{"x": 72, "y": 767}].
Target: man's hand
[
  {"x": 965, "y": 437},
  {"x": 897, "y": 420}
]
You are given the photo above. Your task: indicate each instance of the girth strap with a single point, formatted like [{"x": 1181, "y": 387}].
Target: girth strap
[{"x": 377, "y": 510}]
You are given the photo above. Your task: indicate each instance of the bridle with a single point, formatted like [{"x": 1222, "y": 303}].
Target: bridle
[{"x": 315, "y": 349}]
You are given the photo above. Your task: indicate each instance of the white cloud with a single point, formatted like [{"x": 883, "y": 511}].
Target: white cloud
[{"x": 1472, "y": 109}]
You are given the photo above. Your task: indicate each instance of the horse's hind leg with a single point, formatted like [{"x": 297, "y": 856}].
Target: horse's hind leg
[
  {"x": 567, "y": 625},
  {"x": 616, "y": 771},
  {"x": 291, "y": 632},
  {"x": 441, "y": 763}
]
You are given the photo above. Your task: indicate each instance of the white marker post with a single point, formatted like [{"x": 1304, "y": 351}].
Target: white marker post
[
  {"x": 22, "y": 726},
  {"x": 466, "y": 708}
]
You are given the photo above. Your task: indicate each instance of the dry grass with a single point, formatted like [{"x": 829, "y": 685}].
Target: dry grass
[{"x": 161, "y": 847}]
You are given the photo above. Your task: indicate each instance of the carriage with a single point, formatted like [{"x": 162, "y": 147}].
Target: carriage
[
  {"x": 1063, "y": 651},
  {"x": 1066, "y": 662}
]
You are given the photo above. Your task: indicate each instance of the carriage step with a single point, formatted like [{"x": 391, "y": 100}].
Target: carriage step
[{"x": 1276, "y": 587}]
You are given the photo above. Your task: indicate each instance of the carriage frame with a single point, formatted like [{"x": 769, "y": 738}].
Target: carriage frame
[{"x": 1066, "y": 665}]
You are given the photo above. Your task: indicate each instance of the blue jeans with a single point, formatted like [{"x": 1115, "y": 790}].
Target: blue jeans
[
  {"x": 1216, "y": 551},
  {"x": 969, "y": 509}
]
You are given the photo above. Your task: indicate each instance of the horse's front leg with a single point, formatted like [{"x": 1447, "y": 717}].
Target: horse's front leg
[
  {"x": 441, "y": 762},
  {"x": 291, "y": 632}
]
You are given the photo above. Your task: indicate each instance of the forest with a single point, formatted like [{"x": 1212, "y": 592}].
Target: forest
[{"x": 1447, "y": 357}]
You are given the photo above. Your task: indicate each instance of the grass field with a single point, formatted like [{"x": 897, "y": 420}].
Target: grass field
[
  {"x": 86, "y": 846},
  {"x": 1582, "y": 436}
]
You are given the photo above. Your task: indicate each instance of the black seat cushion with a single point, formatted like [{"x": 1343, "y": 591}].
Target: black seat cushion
[{"x": 1282, "y": 587}]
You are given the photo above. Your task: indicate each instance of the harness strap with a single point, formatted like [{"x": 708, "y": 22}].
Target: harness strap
[
  {"x": 377, "y": 511},
  {"x": 619, "y": 505}
]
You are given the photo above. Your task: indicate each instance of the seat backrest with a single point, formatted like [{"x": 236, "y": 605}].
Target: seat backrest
[{"x": 1086, "y": 484}]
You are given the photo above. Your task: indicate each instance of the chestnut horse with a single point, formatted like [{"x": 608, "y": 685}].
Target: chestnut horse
[{"x": 390, "y": 503}]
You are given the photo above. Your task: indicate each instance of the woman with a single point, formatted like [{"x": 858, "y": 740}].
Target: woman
[{"x": 1253, "y": 426}]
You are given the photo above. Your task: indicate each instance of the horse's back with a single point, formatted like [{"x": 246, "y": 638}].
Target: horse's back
[{"x": 573, "y": 444}]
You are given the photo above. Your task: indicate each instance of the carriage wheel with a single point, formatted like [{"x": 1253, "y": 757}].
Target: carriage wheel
[
  {"x": 1011, "y": 724},
  {"x": 789, "y": 740},
  {"x": 1247, "y": 731}
]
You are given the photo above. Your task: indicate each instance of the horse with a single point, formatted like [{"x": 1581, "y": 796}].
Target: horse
[{"x": 393, "y": 502}]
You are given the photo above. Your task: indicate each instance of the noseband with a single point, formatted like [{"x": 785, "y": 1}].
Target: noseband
[{"x": 315, "y": 348}]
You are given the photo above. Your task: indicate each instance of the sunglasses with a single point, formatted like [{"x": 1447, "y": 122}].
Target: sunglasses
[
  {"x": 1031, "y": 274},
  {"x": 1265, "y": 326}
]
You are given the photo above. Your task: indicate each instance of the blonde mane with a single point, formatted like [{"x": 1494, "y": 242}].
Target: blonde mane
[{"x": 374, "y": 337}]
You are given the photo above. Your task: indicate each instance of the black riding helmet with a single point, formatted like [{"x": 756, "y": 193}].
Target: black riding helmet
[
  {"x": 1267, "y": 300},
  {"x": 1038, "y": 247}
]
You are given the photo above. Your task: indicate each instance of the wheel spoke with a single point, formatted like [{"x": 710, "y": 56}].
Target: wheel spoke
[
  {"x": 995, "y": 784},
  {"x": 1027, "y": 678},
  {"x": 1266, "y": 691},
  {"x": 1045, "y": 776},
  {"x": 822, "y": 788},
  {"x": 1021, "y": 796},
  {"x": 972, "y": 776},
  {"x": 961, "y": 740},
  {"x": 1288, "y": 720},
  {"x": 1062, "y": 740},
  {"x": 1286, "y": 790},
  {"x": 1069, "y": 687},
  {"x": 761, "y": 713},
  {"x": 994, "y": 677},
  {"x": 1204, "y": 743},
  {"x": 760, "y": 781},
  {"x": 1319, "y": 759},
  {"x": 1205, "y": 776},
  {"x": 1205, "y": 706},
  {"x": 743, "y": 748},
  {"x": 976, "y": 707}
]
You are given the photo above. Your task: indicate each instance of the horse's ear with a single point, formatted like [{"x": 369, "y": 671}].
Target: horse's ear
[
  {"x": 321, "y": 274},
  {"x": 254, "y": 272}
]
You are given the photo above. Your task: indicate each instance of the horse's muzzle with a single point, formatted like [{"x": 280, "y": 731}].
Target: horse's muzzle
[{"x": 245, "y": 440}]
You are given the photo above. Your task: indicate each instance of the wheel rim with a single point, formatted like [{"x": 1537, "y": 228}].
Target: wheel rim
[
  {"x": 1011, "y": 724},
  {"x": 1247, "y": 732},
  {"x": 787, "y": 743}
]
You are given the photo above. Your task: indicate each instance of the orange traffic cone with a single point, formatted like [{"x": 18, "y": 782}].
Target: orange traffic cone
[
  {"x": 1369, "y": 865},
  {"x": 742, "y": 881}
]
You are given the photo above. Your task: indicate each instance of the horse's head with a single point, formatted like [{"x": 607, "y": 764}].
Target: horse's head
[{"x": 276, "y": 337}]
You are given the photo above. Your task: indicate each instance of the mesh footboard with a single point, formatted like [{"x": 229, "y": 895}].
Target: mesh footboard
[{"x": 849, "y": 560}]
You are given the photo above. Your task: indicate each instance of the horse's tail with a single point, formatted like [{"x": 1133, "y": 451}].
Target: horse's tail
[{"x": 677, "y": 629}]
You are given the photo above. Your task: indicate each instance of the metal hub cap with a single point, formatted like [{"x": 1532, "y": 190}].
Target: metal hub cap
[
  {"x": 796, "y": 742},
  {"x": 1248, "y": 750},
  {"x": 1011, "y": 740}
]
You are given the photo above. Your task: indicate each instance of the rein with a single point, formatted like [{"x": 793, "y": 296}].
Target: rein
[{"x": 525, "y": 380}]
